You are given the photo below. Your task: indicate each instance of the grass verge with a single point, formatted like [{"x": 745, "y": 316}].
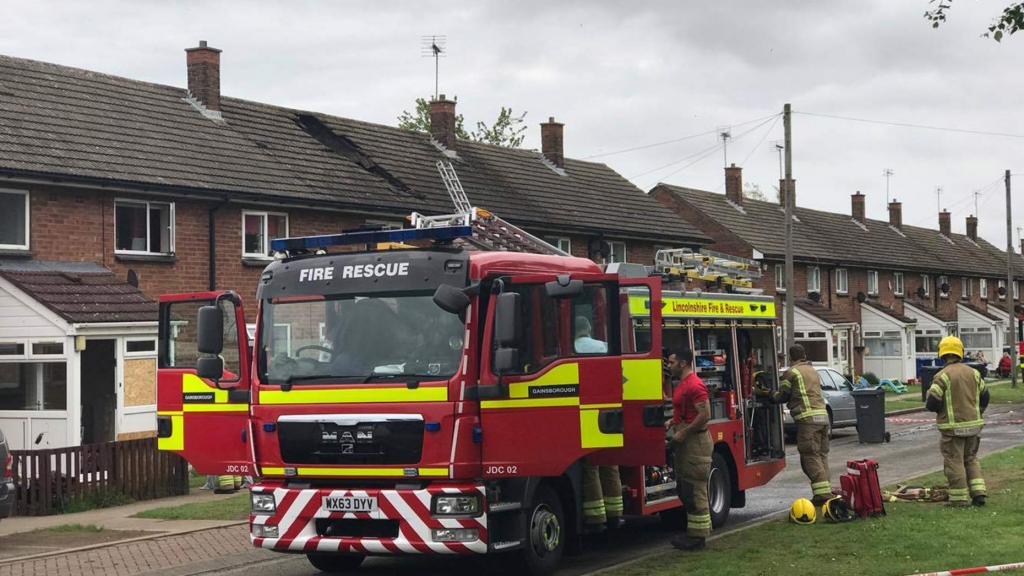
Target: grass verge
[
  {"x": 232, "y": 508},
  {"x": 912, "y": 538}
]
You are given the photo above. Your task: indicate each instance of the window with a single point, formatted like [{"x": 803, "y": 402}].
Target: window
[
  {"x": 927, "y": 341},
  {"x": 873, "y": 282},
  {"x": 926, "y": 284},
  {"x": 636, "y": 331},
  {"x": 884, "y": 344},
  {"x": 283, "y": 338},
  {"x": 178, "y": 337},
  {"x": 14, "y": 219},
  {"x": 983, "y": 288},
  {"x": 12, "y": 349},
  {"x": 33, "y": 386},
  {"x": 966, "y": 288},
  {"x": 258, "y": 229},
  {"x": 976, "y": 338},
  {"x": 617, "y": 252},
  {"x": 897, "y": 283},
  {"x": 143, "y": 227},
  {"x": 1016, "y": 290},
  {"x": 780, "y": 277},
  {"x": 813, "y": 279},
  {"x": 562, "y": 243},
  {"x": 55, "y": 349},
  {"x": 944, "y": 286},
  {"x": 1002, "y": 286},
  {"x": 842, "y": 281},
  {"x": 145, "y": 347},
  {"x": 826, "y": 381}
]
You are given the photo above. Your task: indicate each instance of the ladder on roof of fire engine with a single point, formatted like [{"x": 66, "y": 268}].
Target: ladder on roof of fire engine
[
  {"x": 709, "y": 266},
  {"x": 490, "y": 232}
]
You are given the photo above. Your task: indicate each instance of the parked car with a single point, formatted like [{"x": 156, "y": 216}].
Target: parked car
[
  {"x": 7, "y": 491},
  {"x": 838, "y": 393}
]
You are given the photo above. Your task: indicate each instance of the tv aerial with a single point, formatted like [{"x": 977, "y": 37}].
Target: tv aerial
[
  {"x": 725, "y": 134},
  {"x": 434, "y": 47}
]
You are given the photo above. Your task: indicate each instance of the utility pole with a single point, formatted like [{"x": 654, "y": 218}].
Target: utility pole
[
  {"x": 787, "y": 122},
  {"x": 1012, "y": 318}
]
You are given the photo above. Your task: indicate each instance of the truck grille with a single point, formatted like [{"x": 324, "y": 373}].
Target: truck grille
[{"x": 326, "y": 442}]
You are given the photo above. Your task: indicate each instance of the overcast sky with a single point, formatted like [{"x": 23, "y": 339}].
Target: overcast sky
[{"x": 619, "y": 75}]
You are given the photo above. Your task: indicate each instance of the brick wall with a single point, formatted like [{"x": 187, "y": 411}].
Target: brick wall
[{"x": 724, "y": 240}]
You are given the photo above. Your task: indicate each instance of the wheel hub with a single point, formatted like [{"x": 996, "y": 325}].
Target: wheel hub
[{"x": 545, "y": 531}]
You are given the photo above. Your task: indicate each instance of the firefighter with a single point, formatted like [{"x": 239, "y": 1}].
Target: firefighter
[
  {"x": 602, "y": 498},
  {"x": 801, "y": 389},
  {"x": 958, "y": 397},
  {"x": 691, "y": 447}
]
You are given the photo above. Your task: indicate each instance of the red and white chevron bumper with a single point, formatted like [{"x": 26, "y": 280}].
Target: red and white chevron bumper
[{"x": 401, "y": 524}]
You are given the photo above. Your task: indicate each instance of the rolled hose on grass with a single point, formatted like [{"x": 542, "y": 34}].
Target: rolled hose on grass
[{"x": 976, "y": 570}]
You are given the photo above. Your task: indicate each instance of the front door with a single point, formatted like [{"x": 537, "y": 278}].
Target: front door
[
  {"x": 99, "y": 391},
  {"x": 207, "y": 423}
]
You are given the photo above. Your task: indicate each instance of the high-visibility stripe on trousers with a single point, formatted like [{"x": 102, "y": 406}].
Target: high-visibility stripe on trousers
[
  {"x": 594, "y": 512},
  {"x": 977, "y": 487},
  {"x": 821, "y": 488},
  {"x": 812, "y": 443},
  {"x": 602, "y": 493},
  {"x": 692, "y": 461},
  {"x": 961, "y": 466}
]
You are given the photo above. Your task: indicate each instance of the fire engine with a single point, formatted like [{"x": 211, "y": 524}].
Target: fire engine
[{"x": 435, "y": 400}]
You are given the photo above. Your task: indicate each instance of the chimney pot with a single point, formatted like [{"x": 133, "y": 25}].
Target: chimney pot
[
  {"x": 734, "y": 183},
  {"x": 442, "y": 121},
  {"x": 203, "y": 67},
  {"x": 944, "y": 224},
  {"x": 551, "y": 142},
  {"x": 857, "y": 207},
  {"x": 785, "y": 191},
  {"x": 896, "y": 214},
  {"x": 972, "y": 227}
]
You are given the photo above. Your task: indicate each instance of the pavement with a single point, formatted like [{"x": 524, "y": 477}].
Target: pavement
[{"x": 226, "y": 549}]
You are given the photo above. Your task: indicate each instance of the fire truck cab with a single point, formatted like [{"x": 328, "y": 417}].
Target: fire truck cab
[{"x": 442, "y": 400}]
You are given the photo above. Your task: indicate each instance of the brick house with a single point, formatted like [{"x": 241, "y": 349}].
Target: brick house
[
  {"x": 183, "y": 189},
  {"x": 871, "y": 295}
]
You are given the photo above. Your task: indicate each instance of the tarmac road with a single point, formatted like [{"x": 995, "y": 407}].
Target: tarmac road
[{"x": 913, "y": 451}]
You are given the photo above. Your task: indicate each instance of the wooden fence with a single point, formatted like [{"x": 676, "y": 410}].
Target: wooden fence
[{"x": 47, "y": 480}]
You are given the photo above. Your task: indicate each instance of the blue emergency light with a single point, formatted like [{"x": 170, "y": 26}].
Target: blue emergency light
[{"x": 308, "y": 243}]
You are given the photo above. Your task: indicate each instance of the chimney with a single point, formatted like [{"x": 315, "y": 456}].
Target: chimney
[
  {"x": 734, "y": 183},
  {"x": 203, "y": 65},
  {"x": 442, "y": 121},
  {"x": 783, "y": 192},
  {"x": 896, "y": 214},
  {"x": 857, "y": 207},
  {"x": 972, "y": 227},
  {"x": 551, "y": 142},
  {"x": 1022, "y": 246},
  {"x": 944, "y": 227}
]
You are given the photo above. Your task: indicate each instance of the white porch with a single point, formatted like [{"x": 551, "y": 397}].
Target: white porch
[
  {"x": 981, "y": 333},
  {"x": 827, "y": 344},
  {"x": 889, "y": 345}
]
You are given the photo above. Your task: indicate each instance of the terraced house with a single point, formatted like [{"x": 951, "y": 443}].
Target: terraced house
[
  {"x": 871, "y": 295},
  {"x": 114, "y": 191}
]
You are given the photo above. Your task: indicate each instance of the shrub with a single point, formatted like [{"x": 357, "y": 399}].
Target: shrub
[{"x": 871, "y": 378}]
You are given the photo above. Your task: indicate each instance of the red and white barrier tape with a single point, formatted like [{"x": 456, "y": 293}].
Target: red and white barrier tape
[{"x": 978, "y": 570}]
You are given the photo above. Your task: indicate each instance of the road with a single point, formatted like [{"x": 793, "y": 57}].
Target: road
[{"x": 913, "y": 451}]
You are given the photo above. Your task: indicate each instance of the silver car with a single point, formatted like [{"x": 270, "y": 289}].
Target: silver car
[
  {"x": 7, "y": 491},
  {"x": 838, "y": 393}
]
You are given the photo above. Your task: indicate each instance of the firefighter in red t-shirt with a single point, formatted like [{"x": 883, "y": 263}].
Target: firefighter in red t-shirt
[{"x": 692, "y": 448}]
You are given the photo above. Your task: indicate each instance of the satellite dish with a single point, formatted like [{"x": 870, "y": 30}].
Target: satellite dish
[
  {"x": 815, "y": 296},
  {"x": 1001, "y": 291},
  {"x": 920, "y": 292},
  {"x": 862, "y": 297},
  {"x": 944, "y": 288},
  {"x": 1019, "y": 308},
  {"x": 133, "y": 278}
]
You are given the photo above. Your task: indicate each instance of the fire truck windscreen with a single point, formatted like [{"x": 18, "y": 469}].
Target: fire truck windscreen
[{"x": 365, "y": 338}]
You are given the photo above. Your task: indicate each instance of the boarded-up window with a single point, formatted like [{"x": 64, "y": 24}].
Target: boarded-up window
[{"x": 140, "y": 382}]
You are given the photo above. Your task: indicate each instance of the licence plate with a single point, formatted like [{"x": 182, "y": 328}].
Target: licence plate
[{"x": 350, "y": 504}]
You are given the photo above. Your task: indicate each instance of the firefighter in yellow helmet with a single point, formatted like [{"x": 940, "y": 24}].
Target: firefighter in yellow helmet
[{"x": 958, "y": 397}]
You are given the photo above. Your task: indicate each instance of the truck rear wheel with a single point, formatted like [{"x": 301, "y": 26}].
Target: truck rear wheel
[
  {"x": 336, "y": 563},
  {"x": 719, "y": 490},
  {"x": 545, "y": 535}
]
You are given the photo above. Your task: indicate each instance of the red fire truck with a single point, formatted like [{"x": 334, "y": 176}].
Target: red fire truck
[{"x": 437, "y": 400}]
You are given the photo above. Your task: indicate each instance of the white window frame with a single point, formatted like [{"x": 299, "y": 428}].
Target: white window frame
[
  {"x": 842, "y": 287},
  {"x": 26, "y": 349},
  {"x": 611, "y": 252},
  {"x": 557, "y": 241},
  {"x": 873, "y": 279},
  {"x": 1002, "y": 284},
  {"x": 28, "y": 221},
  {"x": 142, "y": 353},
  {"x": 926, "y": 283},
  {"x": 265, "y": 255},
  {"x": 146, "y": 203},
  {"x": 815, "y": 273},
  {"x": 983, "y": 288},
  {"x": 943, "y": 280},
  {"x": 1016, "y": 290},
  {"x": 288, "y": 336},
  {"x": 33, "y": 356},
  {"x": 780, "y": 277},
  {"x": 966, "y": 287},
  {"x": 898, "y": 287}
]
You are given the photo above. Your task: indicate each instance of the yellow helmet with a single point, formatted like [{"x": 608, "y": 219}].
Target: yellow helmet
[
  {"x": 836, "y": 510},
  {"x": 951, "y": 345},
  {"x": 802, "y": 512}
]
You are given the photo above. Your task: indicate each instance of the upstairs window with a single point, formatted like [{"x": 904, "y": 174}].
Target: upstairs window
[
  {"x": 944, "y": 281},
  {"x": 780, "y": 278},
  {"x": 617, "y": 252},
  {"x": 143, "y": 227},
  {"x": 563, "y": 244},
  {"x": 897, "y": 283},
  {"x": 258, "y": 229},
  {"x": 873, "y": 282},
  {"x": 966, "y": 288},
  {"x": 1016, "y": 290},
  {"x": 14, "y": 219},
  {"x": 926, "y": 284},
  {"x": 813, "y": 279},
  {"x": 842, "y": 281},
  {"x": 1002, "y": 286},
  {"x": 983, "y": 288}
]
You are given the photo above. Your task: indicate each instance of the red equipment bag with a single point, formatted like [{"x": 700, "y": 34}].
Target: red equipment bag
[{"x": 861, "y": 489}]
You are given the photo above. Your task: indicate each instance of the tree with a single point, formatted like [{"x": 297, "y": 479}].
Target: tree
[
  {"x": 754, "y": 192},
  {"x": 1009, "y": 22},
  {"x": 507, "y": 130}
]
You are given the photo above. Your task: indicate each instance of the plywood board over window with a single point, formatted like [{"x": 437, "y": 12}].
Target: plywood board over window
[{"x": 140, "y": 382}]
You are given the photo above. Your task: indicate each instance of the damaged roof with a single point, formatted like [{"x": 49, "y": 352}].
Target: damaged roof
[
  {"x": 68, "y": 124},
  {"x": 83, "y": 297}
]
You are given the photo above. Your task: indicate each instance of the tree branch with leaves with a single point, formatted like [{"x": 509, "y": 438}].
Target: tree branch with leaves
[
  {"x": 507, "y": 130},
  {"x": 1009, "y": 22}
]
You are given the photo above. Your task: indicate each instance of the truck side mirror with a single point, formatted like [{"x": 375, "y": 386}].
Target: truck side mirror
[
  {"x": 210, "y": 368},
  {"x": 506, "y": 360},
  {"x": 451, "y": 299},
  {"x": 564, "y": 287},
  {"x": 210, "y": 337},
  {"x": 508, "y": 322}
]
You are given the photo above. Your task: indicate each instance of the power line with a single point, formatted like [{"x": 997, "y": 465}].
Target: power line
[
  {"x": 761, "y": 141},
  {"x": 908, "y": 125},
  {"x": 674, "y": 140}
]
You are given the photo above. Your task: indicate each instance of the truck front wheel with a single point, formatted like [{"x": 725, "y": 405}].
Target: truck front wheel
[
  {"x": 719, "y": 490},
  {"x": 336, "y": 563},
  {"x": 545, "y": 534}
]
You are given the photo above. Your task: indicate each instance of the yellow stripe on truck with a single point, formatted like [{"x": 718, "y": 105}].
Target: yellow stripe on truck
[
  {"x": 176, "y": 441},
  {"x": 642, "y": 379},
  {"x": 591, "y": 435},
  {"x": 357, "y": 472},
  {"x": 355, "y": 395}
]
